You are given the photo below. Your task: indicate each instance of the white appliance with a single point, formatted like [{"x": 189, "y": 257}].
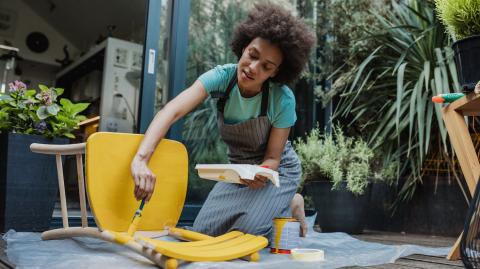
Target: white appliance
[
  {"x": 7, "y": 65},
  {"x": 119, "y": 80}
]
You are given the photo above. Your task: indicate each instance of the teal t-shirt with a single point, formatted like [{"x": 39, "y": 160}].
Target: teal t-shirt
[{"x": 281, "y": 101}]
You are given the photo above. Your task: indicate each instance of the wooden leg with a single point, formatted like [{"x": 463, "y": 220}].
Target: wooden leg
[
  {"x": 463, "y": 146},
  {"x": 170, "y": 263},
  {"x": 81, "y": 190},
  {"x": 454, "y": 253},
  {"x": 467, "y": 157},
  {"x": 61, "y": 190}
]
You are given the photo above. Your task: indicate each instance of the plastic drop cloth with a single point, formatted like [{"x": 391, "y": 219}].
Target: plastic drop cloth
[{"x": 27, "y": 250}]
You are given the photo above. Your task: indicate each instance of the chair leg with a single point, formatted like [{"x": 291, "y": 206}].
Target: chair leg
[
  {"x": 81, "y": 190},
  {"x": 169, "y": 263},
  {"x": 254, "y": 257},
  {"x": 61, "y": 190}
]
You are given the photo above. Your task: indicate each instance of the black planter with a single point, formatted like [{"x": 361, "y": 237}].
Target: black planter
[
  {"x": 437, "y": 207},
  {"x": 338, "y": 210},
  {"x": 467, "y": 57},
  {"x": 28, "y": 183}
]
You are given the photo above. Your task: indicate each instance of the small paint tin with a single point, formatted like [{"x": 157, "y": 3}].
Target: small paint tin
[{"x": 285, "y": 235}]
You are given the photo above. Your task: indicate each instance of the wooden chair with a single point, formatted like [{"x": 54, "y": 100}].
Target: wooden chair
[{"x": 109, "y": 190}]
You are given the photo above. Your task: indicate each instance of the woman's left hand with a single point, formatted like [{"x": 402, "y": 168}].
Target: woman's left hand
[{"x": 257, "y": 183}]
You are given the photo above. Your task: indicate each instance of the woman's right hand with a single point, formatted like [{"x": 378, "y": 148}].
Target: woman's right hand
[
  {"x": 144, "y": 179},
  {"x": 182, "y": 104}
]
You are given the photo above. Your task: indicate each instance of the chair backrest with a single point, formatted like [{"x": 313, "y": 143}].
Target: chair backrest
[{"x": 110, "y": 185}]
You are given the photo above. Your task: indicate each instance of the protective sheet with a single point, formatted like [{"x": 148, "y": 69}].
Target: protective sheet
[{"x": 27, "y": 250}]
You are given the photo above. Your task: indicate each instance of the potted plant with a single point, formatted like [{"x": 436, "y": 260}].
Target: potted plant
[
  {"x": 462, "y": 19},
  {"x": 28, "y": 181},
  {"x": 337, "y": 172}
]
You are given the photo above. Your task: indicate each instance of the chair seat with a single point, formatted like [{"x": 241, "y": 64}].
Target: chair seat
[{"x": 232, "y": 245}]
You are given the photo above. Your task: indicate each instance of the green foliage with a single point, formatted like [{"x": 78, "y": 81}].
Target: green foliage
[
  {"x": 387, "y": 96},
  {"x": 339, "y": 158},
  {"x": 461, "y": 17},
  {"x": 343, "y": 28},
  {"x": 27, "y": 111},
  {"x": 211, "y": 26}
]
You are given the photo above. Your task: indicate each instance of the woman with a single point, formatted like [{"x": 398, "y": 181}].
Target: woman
[{"x": 254, "y": 119}]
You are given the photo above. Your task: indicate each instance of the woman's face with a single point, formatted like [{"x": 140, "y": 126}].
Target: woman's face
[{"x": 260, "y": 60}]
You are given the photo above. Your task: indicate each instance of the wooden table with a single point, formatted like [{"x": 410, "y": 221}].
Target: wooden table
[{"x": 454, "y": 118}]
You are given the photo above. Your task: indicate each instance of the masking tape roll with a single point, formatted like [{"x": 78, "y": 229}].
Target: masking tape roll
[{"x": 307, "y": 254}]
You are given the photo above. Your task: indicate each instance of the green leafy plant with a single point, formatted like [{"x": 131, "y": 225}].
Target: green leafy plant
[
  {"x": 461, "y": 17},
  {"x": 387, "y": 97},
  {"x": 339, "y": 158},
  {"x": 29, "y": 111}
]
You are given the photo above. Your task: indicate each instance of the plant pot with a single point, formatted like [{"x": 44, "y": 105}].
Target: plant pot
[
  {"x": 467, "y": 57},
  {"x": 338, "y": 210},
  {"x": 28, "y": 183}
]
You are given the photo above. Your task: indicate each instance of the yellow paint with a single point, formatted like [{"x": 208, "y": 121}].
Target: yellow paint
[
  {"x": 255, "y": 257},
  {"x": 188, "y": 235},
  {"x": 221, "y": 177},
  {"x": 120, "y": 238},
  {"x": 278, "y": 223},
  {"x": 133, "y": 227},
  {"x": 171, "y": 264},
  {"x": 110, "y": 193},
  {"x": 110, "y": 185},
  {"x": 211, "y": 249},
  {"x": 204, "y": 242}
]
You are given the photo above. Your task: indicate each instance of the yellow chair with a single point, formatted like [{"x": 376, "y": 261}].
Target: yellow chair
[{"x": 110, "y": 188}]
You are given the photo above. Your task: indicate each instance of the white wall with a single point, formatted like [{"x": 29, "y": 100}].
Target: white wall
[{"x": 28, "y": 21}]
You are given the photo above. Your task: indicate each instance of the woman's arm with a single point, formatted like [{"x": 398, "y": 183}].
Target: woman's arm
[
  {"x": 182, "y": 104},
  {"x": 276, "y": 143}
]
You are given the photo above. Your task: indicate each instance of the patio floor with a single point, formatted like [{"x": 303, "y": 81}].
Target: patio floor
[{"x": 413, "y": 261}]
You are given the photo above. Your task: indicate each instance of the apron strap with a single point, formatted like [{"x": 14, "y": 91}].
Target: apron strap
[
  {"x": 265, "y": 92},
  {"x": 223, "y": 100}
]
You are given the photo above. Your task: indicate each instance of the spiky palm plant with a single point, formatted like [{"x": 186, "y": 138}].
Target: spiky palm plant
[{"x": 388, "y": 95}]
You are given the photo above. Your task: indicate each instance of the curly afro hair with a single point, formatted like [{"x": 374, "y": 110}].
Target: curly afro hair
[{"x": 277, "y": 25}]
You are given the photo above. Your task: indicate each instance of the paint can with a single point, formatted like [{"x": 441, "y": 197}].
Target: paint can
[{"x": 285, "y": 235}]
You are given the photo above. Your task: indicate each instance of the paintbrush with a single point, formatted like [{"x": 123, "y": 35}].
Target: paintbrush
[{"x": 136, "y": 219}]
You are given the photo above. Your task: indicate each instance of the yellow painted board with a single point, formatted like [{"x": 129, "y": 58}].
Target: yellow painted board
[
  {"x": 225, "y": 243},
  {"x": 187, "y": 234},
  {"x": 211, "y": 241},
  {"x": 221, "y": 254}
]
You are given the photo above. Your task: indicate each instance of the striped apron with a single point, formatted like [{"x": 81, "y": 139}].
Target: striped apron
[{"x": 231, "y": 207}]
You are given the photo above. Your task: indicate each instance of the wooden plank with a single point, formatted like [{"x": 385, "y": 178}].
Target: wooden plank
[
  {"x": 392, "y": 266},
  {"x": 434, "y": 259},
  {"x": 463, "y": 146},
  {"x": 468, "y": 105},
  {"x": 454, "y": 253},
  {"x": 402, "y": 238},
  {"x": 399, "y": 266},
  {"x": 421, "y": 264},
  {"x": 471, "y": 105}
]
